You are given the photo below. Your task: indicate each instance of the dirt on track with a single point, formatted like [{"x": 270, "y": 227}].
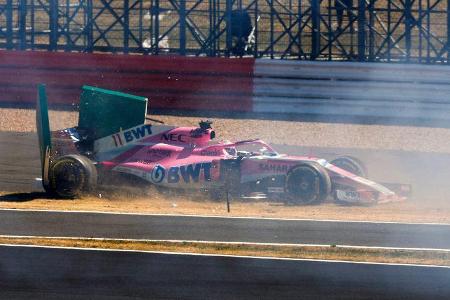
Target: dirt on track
[
  {"x": 18, "y": 169},
  {"x": 195, "y": 204}
]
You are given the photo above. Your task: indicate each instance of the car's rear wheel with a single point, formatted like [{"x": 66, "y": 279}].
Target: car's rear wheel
[
  {"x": 351, "y": 164},
  {"x": 71, "y": 175},
  {"x": 307, "y": 183}
]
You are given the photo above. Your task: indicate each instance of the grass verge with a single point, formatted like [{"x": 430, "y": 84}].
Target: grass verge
[{"x": 422, "y": 257}]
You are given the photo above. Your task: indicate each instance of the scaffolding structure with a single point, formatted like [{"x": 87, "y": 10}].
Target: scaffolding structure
[{"x": 356, "y": 30}]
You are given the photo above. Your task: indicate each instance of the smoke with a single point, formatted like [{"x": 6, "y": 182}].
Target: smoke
[{"x": 403, "y": 109}]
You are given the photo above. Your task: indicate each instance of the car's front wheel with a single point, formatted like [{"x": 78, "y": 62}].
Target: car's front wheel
[
  {"x": 351, "y": 164},
  {"x": 307, "y": 183}
]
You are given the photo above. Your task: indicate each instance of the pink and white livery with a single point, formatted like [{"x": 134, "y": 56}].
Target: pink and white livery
[{"x": 189, "y": 158}]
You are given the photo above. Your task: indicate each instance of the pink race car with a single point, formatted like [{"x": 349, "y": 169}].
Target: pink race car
[{"x": 108, "y": 143}]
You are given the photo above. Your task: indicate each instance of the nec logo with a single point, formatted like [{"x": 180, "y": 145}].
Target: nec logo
[{"x": 174, "y": 137}]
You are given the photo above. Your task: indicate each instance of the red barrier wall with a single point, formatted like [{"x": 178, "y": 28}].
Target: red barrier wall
[{"x": 170, "y": 82}]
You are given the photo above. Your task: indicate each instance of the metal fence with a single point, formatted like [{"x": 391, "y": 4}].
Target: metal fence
[{"x": 361, "y": 30}]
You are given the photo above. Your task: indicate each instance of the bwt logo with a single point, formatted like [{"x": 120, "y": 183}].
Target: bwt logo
[
  {"x": 186, "y": 173},
  {"x": 132, "y": 134},
  {"x": 137, "y": 133}
]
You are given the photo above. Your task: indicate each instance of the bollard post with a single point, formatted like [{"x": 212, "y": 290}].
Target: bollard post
[{"x": 228, "y": 201}]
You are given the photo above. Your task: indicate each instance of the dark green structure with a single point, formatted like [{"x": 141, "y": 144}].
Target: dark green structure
[
  {"x": 104, "y": 112},
  {"x": 43, "y": 127}
]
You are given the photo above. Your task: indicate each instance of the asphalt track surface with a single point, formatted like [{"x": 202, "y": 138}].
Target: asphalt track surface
[
  {"x": 80, "y": 274},
  {"x": 428, "y": 173},
  {"x": 217, "y": 229},
  {"x": 51, "y": 273}
]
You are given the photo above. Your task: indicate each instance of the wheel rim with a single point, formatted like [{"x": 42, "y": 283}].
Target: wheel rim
[
  {"x": 69, "y": 178},
  {"x": 304, "y": 185}
]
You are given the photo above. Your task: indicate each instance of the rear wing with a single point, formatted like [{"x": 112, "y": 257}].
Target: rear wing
[{"x": 43, "y": 131}]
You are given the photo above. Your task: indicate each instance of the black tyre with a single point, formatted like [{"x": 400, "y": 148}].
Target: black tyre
[
  {"x": 71, "y": 175},
  {"x": 307, "y": 183},
  {"x": 351, "y": 164}
]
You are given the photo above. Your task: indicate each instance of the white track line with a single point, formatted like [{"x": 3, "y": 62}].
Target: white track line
[
  {"x": 228, "y": 255},
  {"x": 220, "y": 217},
  {"x": 224, "y": 242}
]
